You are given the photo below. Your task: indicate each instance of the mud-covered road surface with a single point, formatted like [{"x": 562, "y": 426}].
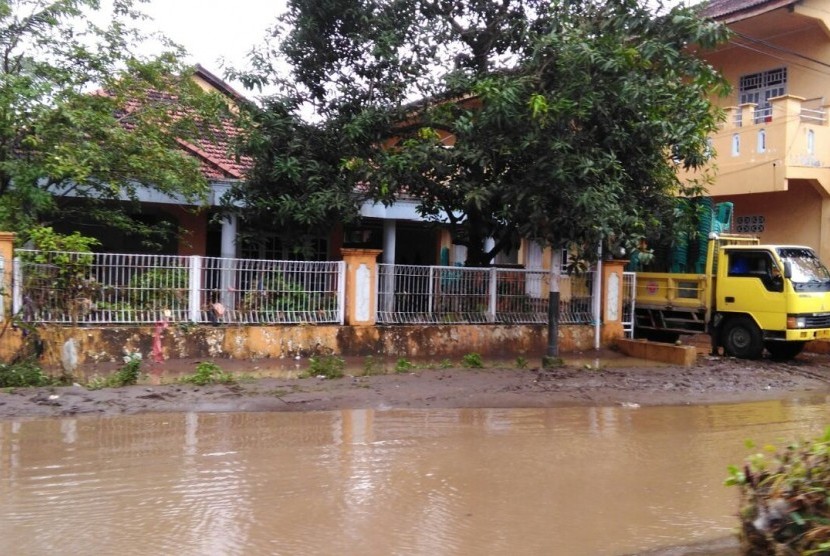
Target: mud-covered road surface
[{"x": 613, "y": 382}]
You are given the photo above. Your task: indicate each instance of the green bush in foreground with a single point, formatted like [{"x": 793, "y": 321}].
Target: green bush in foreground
[
  {"x": 25, "y": 373},
  {"x": 785, "y": 499}
]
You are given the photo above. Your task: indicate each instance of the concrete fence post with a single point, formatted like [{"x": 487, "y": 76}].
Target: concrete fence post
[
  {"x": 612, "y": 300},
  {"x": 361, "y": 286},
  {"x": 7, "y": 270}
]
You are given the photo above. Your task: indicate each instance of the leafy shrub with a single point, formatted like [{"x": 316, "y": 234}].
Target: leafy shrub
[
  {"x": 521, "y": 362},
  {"x": 127, "y": 375},
  {"x": 785, "y": 499},
  {"x": 403, "y": 366},
  {"x": 58, "y": 272},
  {"x": 275, "y": 293},
  {"x": 472, "y": 361},
  {"x": 208, "y": 372},
  {"x": 326, "y": 366},
  {"x": 159, "y": 288},
  {"x": 26, "y": 373}
]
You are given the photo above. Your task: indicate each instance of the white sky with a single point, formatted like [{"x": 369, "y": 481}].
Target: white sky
[{"x": 214, "y": 29}]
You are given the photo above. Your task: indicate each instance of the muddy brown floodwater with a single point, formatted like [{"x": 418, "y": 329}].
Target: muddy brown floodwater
[{"x": 433, "y": 461}]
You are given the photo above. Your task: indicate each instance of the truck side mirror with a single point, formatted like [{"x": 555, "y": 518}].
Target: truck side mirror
[{"x": 788, "y": 270}]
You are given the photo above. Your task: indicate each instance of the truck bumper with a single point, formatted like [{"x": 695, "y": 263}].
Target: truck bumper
[{"x": 805, "y": 335}]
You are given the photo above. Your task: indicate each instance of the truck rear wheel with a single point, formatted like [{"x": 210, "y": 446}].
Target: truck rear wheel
[
  {"x": 742, "y": 338},
  {"x": 781, "y": 351}
]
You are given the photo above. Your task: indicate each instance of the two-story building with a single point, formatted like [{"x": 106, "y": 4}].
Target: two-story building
[{"x": 772, "y": 154}]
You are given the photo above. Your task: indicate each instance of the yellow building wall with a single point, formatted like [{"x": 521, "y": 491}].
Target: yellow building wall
[{"x": 792, "y": 217}]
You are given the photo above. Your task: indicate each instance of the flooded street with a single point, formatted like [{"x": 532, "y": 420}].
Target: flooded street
[{"x": 570, "y": 481}]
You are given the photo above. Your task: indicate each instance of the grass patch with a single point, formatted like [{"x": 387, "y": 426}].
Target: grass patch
[
  {"x": 208, "y": 372},
  {"x": 326, "y": 366},
  {"x": 403, "y": 366},
  {"x": 472, "y": 361}
]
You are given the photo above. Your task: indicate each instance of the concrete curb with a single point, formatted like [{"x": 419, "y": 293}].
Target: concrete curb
[{"x": 684, "y": 356}]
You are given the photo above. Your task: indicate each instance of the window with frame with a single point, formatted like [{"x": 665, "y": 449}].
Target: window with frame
[{"x": 759, "y": 88}]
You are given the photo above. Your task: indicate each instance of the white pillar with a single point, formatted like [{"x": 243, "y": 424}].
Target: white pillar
[
  {"x": 489, "y": 243},
  {"x": 389, "y": 238},
  {"x": 229, "y": 230},
  {"x": 228, "y": 252},
  {"x": 388, "y": 257}
]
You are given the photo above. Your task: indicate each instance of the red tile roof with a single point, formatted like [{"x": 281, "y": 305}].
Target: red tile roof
[
  {"x": 215, "y": 150},
  {"x": 728, "y": 11}
]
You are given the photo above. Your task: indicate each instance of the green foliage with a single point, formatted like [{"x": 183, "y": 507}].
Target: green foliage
[
  {"x": 67, "y": 153},
  {"x": 301, "y": 182},
  {"x": 57, "y": 274},
  {"x": 521, "y": 362},
  {"x": 208, "y": 372},
  {"x": 445, "y": 364},
  {"x": 127, "y": 375},
  {"x": 566, "y": 138},
  {"x": 25, "y": 373},
  {"x": 549, "y": 362},
  {"x": 472, "y": 361},
  {"x": 784, "y": 498},
  {"x": 326, "y": 366},
  {"x": 403, "y": 366},
  {"x": 159, "y": 288},
  {"x": 371, "y": 366},
  {"x": 275, "y": 293}
]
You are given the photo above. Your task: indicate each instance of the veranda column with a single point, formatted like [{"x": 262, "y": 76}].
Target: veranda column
[
  {"x": 388, "y": 287},
  {"x": 612, "y": 300},
  {"x": 361, "y": 286},
  {"x": 227, "y": 273}
]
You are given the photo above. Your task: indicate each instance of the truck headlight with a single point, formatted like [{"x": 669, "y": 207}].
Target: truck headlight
[{"x": 796, "y": 322}]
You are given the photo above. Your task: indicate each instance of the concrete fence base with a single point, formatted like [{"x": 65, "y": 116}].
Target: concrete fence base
[{"x": 110, "y": 344}]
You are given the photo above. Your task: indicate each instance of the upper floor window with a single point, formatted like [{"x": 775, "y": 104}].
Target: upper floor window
[
  {"x": 736, "y": 144},
  {"x": 811, "y": 141},
  {"x": 762, "y": 140},
  {"x": 759, "y": 88}
]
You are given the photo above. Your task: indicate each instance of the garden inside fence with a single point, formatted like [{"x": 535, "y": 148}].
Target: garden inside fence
[{"x": 104, "y": 288}]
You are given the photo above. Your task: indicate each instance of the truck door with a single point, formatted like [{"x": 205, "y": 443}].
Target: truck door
[{"x": 752, "y": 284}]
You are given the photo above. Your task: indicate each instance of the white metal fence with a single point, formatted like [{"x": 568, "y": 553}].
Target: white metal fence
[
  {"x": 106, "y": 288},
  {"x": 450, "y": 295},
  {"x": 103, "y": 288}
]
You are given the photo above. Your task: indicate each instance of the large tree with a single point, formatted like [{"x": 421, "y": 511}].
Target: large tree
[
  {"x": 560, "y": 121},
  {"x": 86, "y": 120}
]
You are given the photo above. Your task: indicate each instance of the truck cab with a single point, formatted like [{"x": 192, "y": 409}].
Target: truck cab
[{"x": 769, "y": 296}]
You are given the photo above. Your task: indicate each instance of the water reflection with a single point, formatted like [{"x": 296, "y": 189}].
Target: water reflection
[{"x": 602, "y": 480}]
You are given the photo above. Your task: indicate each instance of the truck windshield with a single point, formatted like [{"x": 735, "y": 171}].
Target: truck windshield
[{"x": 809, "y": 274}]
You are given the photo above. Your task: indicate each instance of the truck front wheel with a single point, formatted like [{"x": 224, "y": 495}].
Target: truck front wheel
[{"x": 742, "y": 338}]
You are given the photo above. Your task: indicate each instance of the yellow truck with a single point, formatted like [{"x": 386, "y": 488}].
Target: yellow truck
[{"x": 750, "y": 297}]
